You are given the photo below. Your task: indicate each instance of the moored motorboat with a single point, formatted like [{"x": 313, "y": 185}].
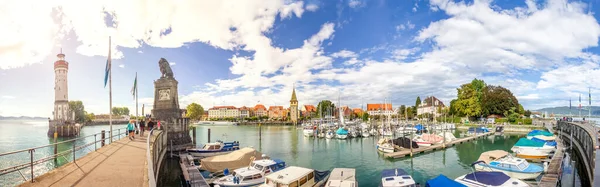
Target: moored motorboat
[
  {"x": 542, "y": 135},
  {"x": 421, "y": 142},
  {"x": 385, "y": 145},
  {"x": 365, "y": 133},
  {"x": 489, "y": 179},
  {"x": 499, "y": 130},
  {"x": 395, "y": 178},
  {"x": 342, "y": 177},
  {"x": 213, "y": 149},
  {"x": 499, "y": 160},
  {"x": 252, "y": 175},
  {"x": 448, "y": 136},
  {"x": 341, "y": 133},
  {"x": 309, "y": 131},
  {"x": 533, "y": 149},
  {"x": 296, "y": 176},
  {"x": 443, "y": 181},
  {"x": 330, "y": 134}
]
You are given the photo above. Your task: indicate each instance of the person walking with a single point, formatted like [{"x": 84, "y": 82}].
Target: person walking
[
  {"x": 142, "y": 126},
  {"x": 131, "y": 129},
  {"x": 151, "y": 125}
]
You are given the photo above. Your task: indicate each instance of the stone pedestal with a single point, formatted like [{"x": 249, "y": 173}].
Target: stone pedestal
[{"x": 166, "y": 110}]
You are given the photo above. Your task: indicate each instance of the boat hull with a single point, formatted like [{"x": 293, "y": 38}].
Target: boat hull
[
  {"x": 385, "y": 149},
  {"x": 513, "y": 174},
  {"x": 308, "y": 133},
  {"x": 340, "y": 136}
]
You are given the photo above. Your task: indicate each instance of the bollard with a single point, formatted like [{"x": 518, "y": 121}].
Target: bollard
[
  {"x": 259, "y": 131},
  {"x": 55, "y": 146},
  {"x": 73, "y": 151},
  {"x": 194, "y": 135},
  {"x": 102, "y": 136},
  {"x": 95, "y": 143},
  {"x": 31, "y": 163},
  {"x": 119, "y": 134},
  {"x": 208, "y": 135}
]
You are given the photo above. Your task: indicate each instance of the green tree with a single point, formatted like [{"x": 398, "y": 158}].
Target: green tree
[
  {"x": 325, "y": 106},
  {"x": 89, "y": 117},
  {"x": 469, "y": 98},
  {"x": 527, "y": 113},
  {"x": 521, "y": 109},
  {"x": 365, "y": 116},
  {"x": 498, "y": 100},
  {"x": 79, "y": 110},
  {"x": 418, "y": 102},
  {"x": 194, "y": 111},
  {"x": 120, "y": 111},
  {"x": 402, "y": 110},
  {"x": 409, "y": 112},
  {"x": 452, "y": 110}
]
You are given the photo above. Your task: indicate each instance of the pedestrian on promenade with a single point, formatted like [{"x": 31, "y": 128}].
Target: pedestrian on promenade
[
  {"x": 142, "y": 126},
  {"x": 151, "y": 125},
  {"x": 131, "y": 129},
  {"x": 158, "y": 124}
]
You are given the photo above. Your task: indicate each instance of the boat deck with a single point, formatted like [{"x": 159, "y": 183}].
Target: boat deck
[
  {"x": 192, "y": 175},
  {"x": 407, "y": 152}
]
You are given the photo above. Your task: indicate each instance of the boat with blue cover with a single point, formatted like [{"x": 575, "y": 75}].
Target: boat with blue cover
[
  {"x": 541, "y": 134},
  {"x": 341, "y": 133},
  {"x": 443, "y": 181},
  {"x": 490, "y": 179},
  {"x": 214, "y": 149},
  {"x": 477, "y": 130},
  {"x": 534, "y": 148},
  {"x": 252, "y": 175},
  {"x": 499, "y": 160},
  {"x": 396, "y": 178}
]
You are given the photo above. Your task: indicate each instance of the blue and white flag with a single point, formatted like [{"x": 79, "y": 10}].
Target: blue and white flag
[{"x": 108, "y": 65}]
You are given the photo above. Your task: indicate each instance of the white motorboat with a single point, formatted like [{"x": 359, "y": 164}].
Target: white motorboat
[
  {"x": 533, "y": 149},
  {"x": 489, "y": 179},
  {"x": 499, "y": 160},
  {"x": 342, "y": 177},
  {"x": 341, "y": 133},
  {"x": 396, "y": 178},
  {"x": 365, "y": 133},
  {"x": 309, "y": 131},
  {"x": 330, "y": 134},
  {"x": 385, "y": 145},
  {"x": 421, "y": 142},
  {"x": 214, "y": 149},
  {"x": 294, "y": 176},
  {"x": 373, "y": 132},
  {"x": 252, "y": 175}
]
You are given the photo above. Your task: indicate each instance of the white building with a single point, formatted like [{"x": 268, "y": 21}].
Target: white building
[
  {"x": 223, "y": 112},
  {"x": 244, "y": 112},
  {"x": 61, "y": 89},
  {"x": 380, "y": 109},
  {"x": 430, "y": 105}
]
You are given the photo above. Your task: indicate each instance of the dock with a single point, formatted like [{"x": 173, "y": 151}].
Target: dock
[
  {"x": 551, "y": 176},
  {"x": 191, "y": 174},
  {"x": 407, "y": 152}
]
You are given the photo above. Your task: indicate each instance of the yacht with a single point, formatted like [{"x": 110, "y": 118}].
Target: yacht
[
  {"x": 252, "y": 175},
  {"x": 214, "y": 149},
  {"x": 396, "y": 178},
  {"x": 330, "y": 134},
  {"x": 499, "y": 160},
  {"x": 365, "y": 133},
  {"x": 489, "y": 179},
  {"x": 342, "y": 177},
  {"x": 294, "y": 176},
  {"x": 385, "y": 145},
  {"x": 309, "y": 131},
  {"x": 341, "y": 133}
]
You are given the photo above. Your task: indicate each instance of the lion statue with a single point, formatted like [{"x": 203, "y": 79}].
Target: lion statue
[{"x": 165, "y": 68}]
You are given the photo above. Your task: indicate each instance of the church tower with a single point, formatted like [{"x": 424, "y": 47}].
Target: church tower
[
  {"x": 61, "y": 89},
  {"x": 294, "y": 107}
]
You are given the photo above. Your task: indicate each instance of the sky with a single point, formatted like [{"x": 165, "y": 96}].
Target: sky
[{"x": 244, "y": 53}]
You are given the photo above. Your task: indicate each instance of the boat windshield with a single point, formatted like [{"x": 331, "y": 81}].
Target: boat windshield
[
  {"x": 523, "y": 166},
  {"x": 258, "y": 167}
]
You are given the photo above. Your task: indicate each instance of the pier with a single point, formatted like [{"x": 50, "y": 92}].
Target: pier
[
  {"x": 407, "y": 152},
  {"x": 191, "y": 174}
]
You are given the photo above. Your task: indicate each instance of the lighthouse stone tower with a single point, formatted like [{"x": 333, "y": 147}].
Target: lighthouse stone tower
[
  {"x": 61, "y": 89},
  {"x": 62, "y": 123}
]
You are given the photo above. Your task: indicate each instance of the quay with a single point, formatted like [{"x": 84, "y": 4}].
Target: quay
[
  {"x": 191, "y": 174},
  {"x": 551, "y": 176},
  {"x": 407, "y": 152},
  {"x": 121, "y": 163}
]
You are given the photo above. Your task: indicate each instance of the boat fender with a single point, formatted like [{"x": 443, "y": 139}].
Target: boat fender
[{"x": 546, "y": 167}]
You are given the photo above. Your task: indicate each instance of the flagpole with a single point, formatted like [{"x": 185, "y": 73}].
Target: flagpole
[
  {"x": 136, "y": 98},
  {"x": 110, "y": 91},
  {"x": 590, "y": 103}
]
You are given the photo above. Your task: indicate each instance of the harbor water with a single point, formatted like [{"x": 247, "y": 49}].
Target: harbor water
[{"x": 17, "y": 135}]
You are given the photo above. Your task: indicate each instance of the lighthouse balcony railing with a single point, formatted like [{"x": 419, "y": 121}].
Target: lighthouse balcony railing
[{"x": 14, "y": 162}]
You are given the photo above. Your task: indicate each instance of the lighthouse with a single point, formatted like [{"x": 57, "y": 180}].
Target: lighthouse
[{"x": 61, "y": 89}]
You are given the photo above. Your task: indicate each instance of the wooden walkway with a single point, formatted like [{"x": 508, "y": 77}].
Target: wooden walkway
[
  {"x": 407, "y": 152},
  {"x": 550, "y": 177},
  {"x": 192, "y": 175}
]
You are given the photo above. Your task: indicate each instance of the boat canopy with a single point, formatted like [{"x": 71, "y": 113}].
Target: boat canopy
[
  {"x": 341, "y": 131},
  {"x": 492, "y": 178},
  {"x": 233, "y": 160},
  {"x": 490, "y": 156},
  {"x": 539, "y": 132},
  {"x": 343, "y": 174},
  {"x": 524, "y": 142},
  {"x": 442, "y": 180},
  {"x": 393, "y": 172},
  {"x": 419, "y": 127},
  {"x": 551, "y": 143}
]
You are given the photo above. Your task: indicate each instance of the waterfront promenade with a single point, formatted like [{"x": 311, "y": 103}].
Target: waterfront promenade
[{"x": 121, "y": 163}]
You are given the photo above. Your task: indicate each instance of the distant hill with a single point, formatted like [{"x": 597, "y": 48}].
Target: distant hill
[
  {"x": 574, "y": 110},
  {"x": 22, "y": 118}
]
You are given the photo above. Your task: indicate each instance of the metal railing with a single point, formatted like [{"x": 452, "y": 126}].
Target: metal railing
[
  {"x": 103, "y": 139},
  {"x": 156, "y": 149}
]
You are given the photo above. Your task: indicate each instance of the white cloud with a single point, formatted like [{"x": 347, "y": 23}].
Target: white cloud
[
  {"x": 401, "y": 54},
  {"x": 312, "y": 7},
  {"x": 354, "y": 3},
  {"x": 140, "y": 52},
  {"x": 172, "y": 63},
  {"x": 528, "y": 97},
  {"x": 405, "y": 26},
  {"x": 224, "y": 24},
  {"x": 352, "y": 61},
  {"x": 344, "y": 54},
  {"x": 122, "y": 65},
  {"x": 8, "y": 97}
]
